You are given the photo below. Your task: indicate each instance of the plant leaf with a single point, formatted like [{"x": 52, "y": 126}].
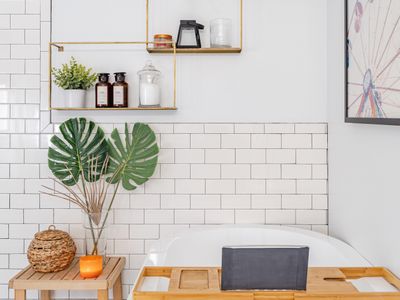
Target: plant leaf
[
  {"x": 69, "y": 157},
  {"x": 134, "y": 162}
]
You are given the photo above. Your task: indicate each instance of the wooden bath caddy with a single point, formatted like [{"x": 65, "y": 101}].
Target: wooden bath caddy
[{"x": 204, "y": 284}]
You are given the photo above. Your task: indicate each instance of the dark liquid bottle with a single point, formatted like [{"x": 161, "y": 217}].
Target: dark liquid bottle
[
  {"x": 103, "y": 91},
  {"x": 120, "y": 90}
]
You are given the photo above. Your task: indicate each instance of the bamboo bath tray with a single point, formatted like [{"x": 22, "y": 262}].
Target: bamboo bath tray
[{"x": 322, "y": 284}]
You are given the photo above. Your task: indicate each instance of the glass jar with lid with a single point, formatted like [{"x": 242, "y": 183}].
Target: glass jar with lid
[{"x": 149, "y": 86}]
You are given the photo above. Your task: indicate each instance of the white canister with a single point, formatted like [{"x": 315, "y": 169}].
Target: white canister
[
  {"x": 221, "y": 33},
  {"x": 149, "y": 86},
  {"x": 75, "y": 98}
]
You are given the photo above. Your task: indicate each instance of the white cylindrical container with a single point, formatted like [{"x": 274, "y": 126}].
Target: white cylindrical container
[
  {"x": 221, "y": 33},
  {"x": 75, "y": 98},
  {"x": 149, "y": 87}
]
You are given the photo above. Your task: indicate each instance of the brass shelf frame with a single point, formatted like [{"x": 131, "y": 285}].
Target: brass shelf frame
[
  {"x": 61, "y": 48},
  {"x": 196, "y": 50}
]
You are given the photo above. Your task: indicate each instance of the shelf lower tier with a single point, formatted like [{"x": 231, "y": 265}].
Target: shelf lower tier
[
  {"x": 112, "y": 108},
  {"x": 196, "y": 50}
]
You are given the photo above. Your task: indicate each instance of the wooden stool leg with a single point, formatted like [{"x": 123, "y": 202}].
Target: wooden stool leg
[
  {"x": 102, "y": 294},
  {"x": 20, "y": 294},
  {"x": 44, "y": 295},
  {"x": 117, "y": 289}
]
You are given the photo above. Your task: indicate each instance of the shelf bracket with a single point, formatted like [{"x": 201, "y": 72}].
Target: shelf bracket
[{"x": 59, "y": 48}]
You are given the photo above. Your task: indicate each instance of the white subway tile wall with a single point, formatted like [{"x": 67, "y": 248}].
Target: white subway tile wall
[{"x": 208, "y": 174}]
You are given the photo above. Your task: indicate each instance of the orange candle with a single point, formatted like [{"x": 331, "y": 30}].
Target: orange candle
[{"x": 90, "y": 266}]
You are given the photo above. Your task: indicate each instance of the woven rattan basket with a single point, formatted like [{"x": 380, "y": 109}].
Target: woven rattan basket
[{"x": 51, "y": 250}]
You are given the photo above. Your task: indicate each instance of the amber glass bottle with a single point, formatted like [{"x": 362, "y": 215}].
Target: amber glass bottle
[
  {"x": 103, "y": 91},
  {"x": 120, "y": 90}
]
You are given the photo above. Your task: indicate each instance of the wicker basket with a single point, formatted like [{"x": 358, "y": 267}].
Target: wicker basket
[{"x": 51, "y": 250}]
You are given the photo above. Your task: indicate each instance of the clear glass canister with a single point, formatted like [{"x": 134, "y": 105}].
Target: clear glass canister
[
  {"x": 149, "y": 86},
  {"x": 221, "y": 33}
]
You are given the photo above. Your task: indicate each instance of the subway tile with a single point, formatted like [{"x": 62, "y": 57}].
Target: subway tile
[
  {"x": 250, "y": 156},
  {"x": 223, "y": 216},
  {"x": 4, "y": 231},
  {"x": 24, "y": 141},
  {"x": 25, "y": 22},
  {"x": 40, "y": 216},
  {"x": 156, "y": 186},
  {"x": 8, "y": 66},
  {"x": 175, "y": 141},
  {"x": 128, "y": 246},
  {"x": 190, "y": 186},
  {"x": 5, "y": 51},
  {"x": 12, "y": 185},
  {"x": 219, "y": 156},
  {"x": 175, "y": 201},
  {"x": 296, "y": 171},
  {"x": 312, "y": 186},
  {"x": 189, "y": 128},
  {"x": 202, "y": 141},
  {"x": 63, "y": 216},
  {"x": 4, "y": 140},
  {"x": 25, "y": 81},
  {"x": 22, "y": 231},
  {"x": 4, "y": 111},
  {"x": 128, "y": 216},
  {"x": 219, "y": 128},
  {"x": 320, "y": 201},
  {"x": 118, "y": 231},
  {"x": 12, "y": 126},
  {"x": 249, "y": 216},
  {"x": 206, "y": 171},
  {"x": 24, "y": 201},
  {"x": 32, "y": 126},
  {"x": 12, "y": 6},
  {"x": 24, "y": 111},
  {"x": 171, "y": 231},
  {"x": 4, "y": 21},
  {"x": 189, "y": 216},
  {"x": 234, "y": 141},
  {"x": 158, "y": 216},
  {"x": 32, "y": 96},
  {"x": 205, "y": 201},
  {"x": 166, "y": 156},
  {"x": 4, "y": 80},
  {"x": 314, "y": 156},
  {"x": 249, "y": 128},
  {"x": 45, "y": 29},
  {"x": 320, "y": 141},
  {"x": 311, "y": 128},
  {"x": 223, "y": 186},
  {"x": 296, "y": 202},
  {"x": 33, "y": 6},
  {"x": 320, "y": 171},
  {"x": 190, "y": 156},
  {"x": 45, "y": 10},
  {"x": 11, "y": 36},
  {"x": 296, "y": 141},
  {"x": 12, "y": 246},
  {"x": 4, "y": 171},
  {"x": 36, "y": 156},
  {"x": 281, "y": 186},
  {"x": 235, "y": 201},
  {"x": 266, "y": 171},
  {"x": 36, "y": 185},
  {"x": 162, "y": 128},
  {"x": 11, "y": 216},
  {"x": 317, "y": 217},
  {"x": 4, "y": 201},
  {"x": 24, "y": 171},
  {"x": 175, "y": 170},
  {"x": 235, "y": 171},
  {"x": 145, "y": 201},
  {"x": 11, "y": 156},
  {"x": 281, "y": 156},
  {"x": 250, "y": 186},
  {"x": 266, "y": 141},
  {"x": 32, "y": 66},
  {"x": 266, "y": 201},
  {"x": 12, "y": 96},
  {"x": 279, "y": 128},
  {"x": 280, "y": 217}
]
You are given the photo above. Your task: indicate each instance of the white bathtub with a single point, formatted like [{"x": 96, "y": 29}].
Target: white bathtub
[{"x": 203, "y": 248}]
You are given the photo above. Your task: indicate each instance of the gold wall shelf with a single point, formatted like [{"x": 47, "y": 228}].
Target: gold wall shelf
[
  {"x": 61, "y": 47},
  {"x": 197, "y": 50}
]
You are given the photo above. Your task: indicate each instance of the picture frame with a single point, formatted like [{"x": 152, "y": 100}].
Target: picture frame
[{"x": 372, "y": 79}]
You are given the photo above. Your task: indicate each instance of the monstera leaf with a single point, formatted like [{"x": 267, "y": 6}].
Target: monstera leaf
[
  {"x": 83, "y": 147},
  {"x": 132, "y": 162}
]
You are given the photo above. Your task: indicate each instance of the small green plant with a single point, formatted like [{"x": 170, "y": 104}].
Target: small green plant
[{"x": 74, "y": 76}]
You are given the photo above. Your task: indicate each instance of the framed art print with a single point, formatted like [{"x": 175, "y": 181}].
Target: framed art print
[{"x": 373, "y": 61}]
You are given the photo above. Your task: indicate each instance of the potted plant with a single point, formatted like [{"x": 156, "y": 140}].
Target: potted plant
[
  {"x": 86, "y": 163},
  {"x": 75, "y": 79}
]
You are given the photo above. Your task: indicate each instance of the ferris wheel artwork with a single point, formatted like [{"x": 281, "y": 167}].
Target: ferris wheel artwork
[{"x": 373, "y": 61}]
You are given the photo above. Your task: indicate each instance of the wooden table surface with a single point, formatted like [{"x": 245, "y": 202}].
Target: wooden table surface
[{"x": 70, "y": 279}]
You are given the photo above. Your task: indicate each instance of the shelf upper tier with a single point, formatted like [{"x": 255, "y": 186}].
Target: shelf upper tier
[
  {"x": 113, "y": 108},
  {"x": 195, "y": 50}
]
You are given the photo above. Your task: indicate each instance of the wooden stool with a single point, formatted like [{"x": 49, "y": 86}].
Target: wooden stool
[{"x": 69, "y": 279}]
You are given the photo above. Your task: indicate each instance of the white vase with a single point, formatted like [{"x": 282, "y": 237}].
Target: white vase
[{"x": 75, "y": 98}]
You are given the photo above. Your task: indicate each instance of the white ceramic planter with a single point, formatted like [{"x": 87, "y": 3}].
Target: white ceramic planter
[{"x": 75, "y": 98}]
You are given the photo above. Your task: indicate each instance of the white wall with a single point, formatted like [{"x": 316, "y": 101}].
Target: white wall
[
  {"x": 364, "y": 165},
  {"x": 280, "y": 75}
]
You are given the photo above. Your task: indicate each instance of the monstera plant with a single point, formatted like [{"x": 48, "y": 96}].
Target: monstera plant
[{"x": 86, "y": 164}]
